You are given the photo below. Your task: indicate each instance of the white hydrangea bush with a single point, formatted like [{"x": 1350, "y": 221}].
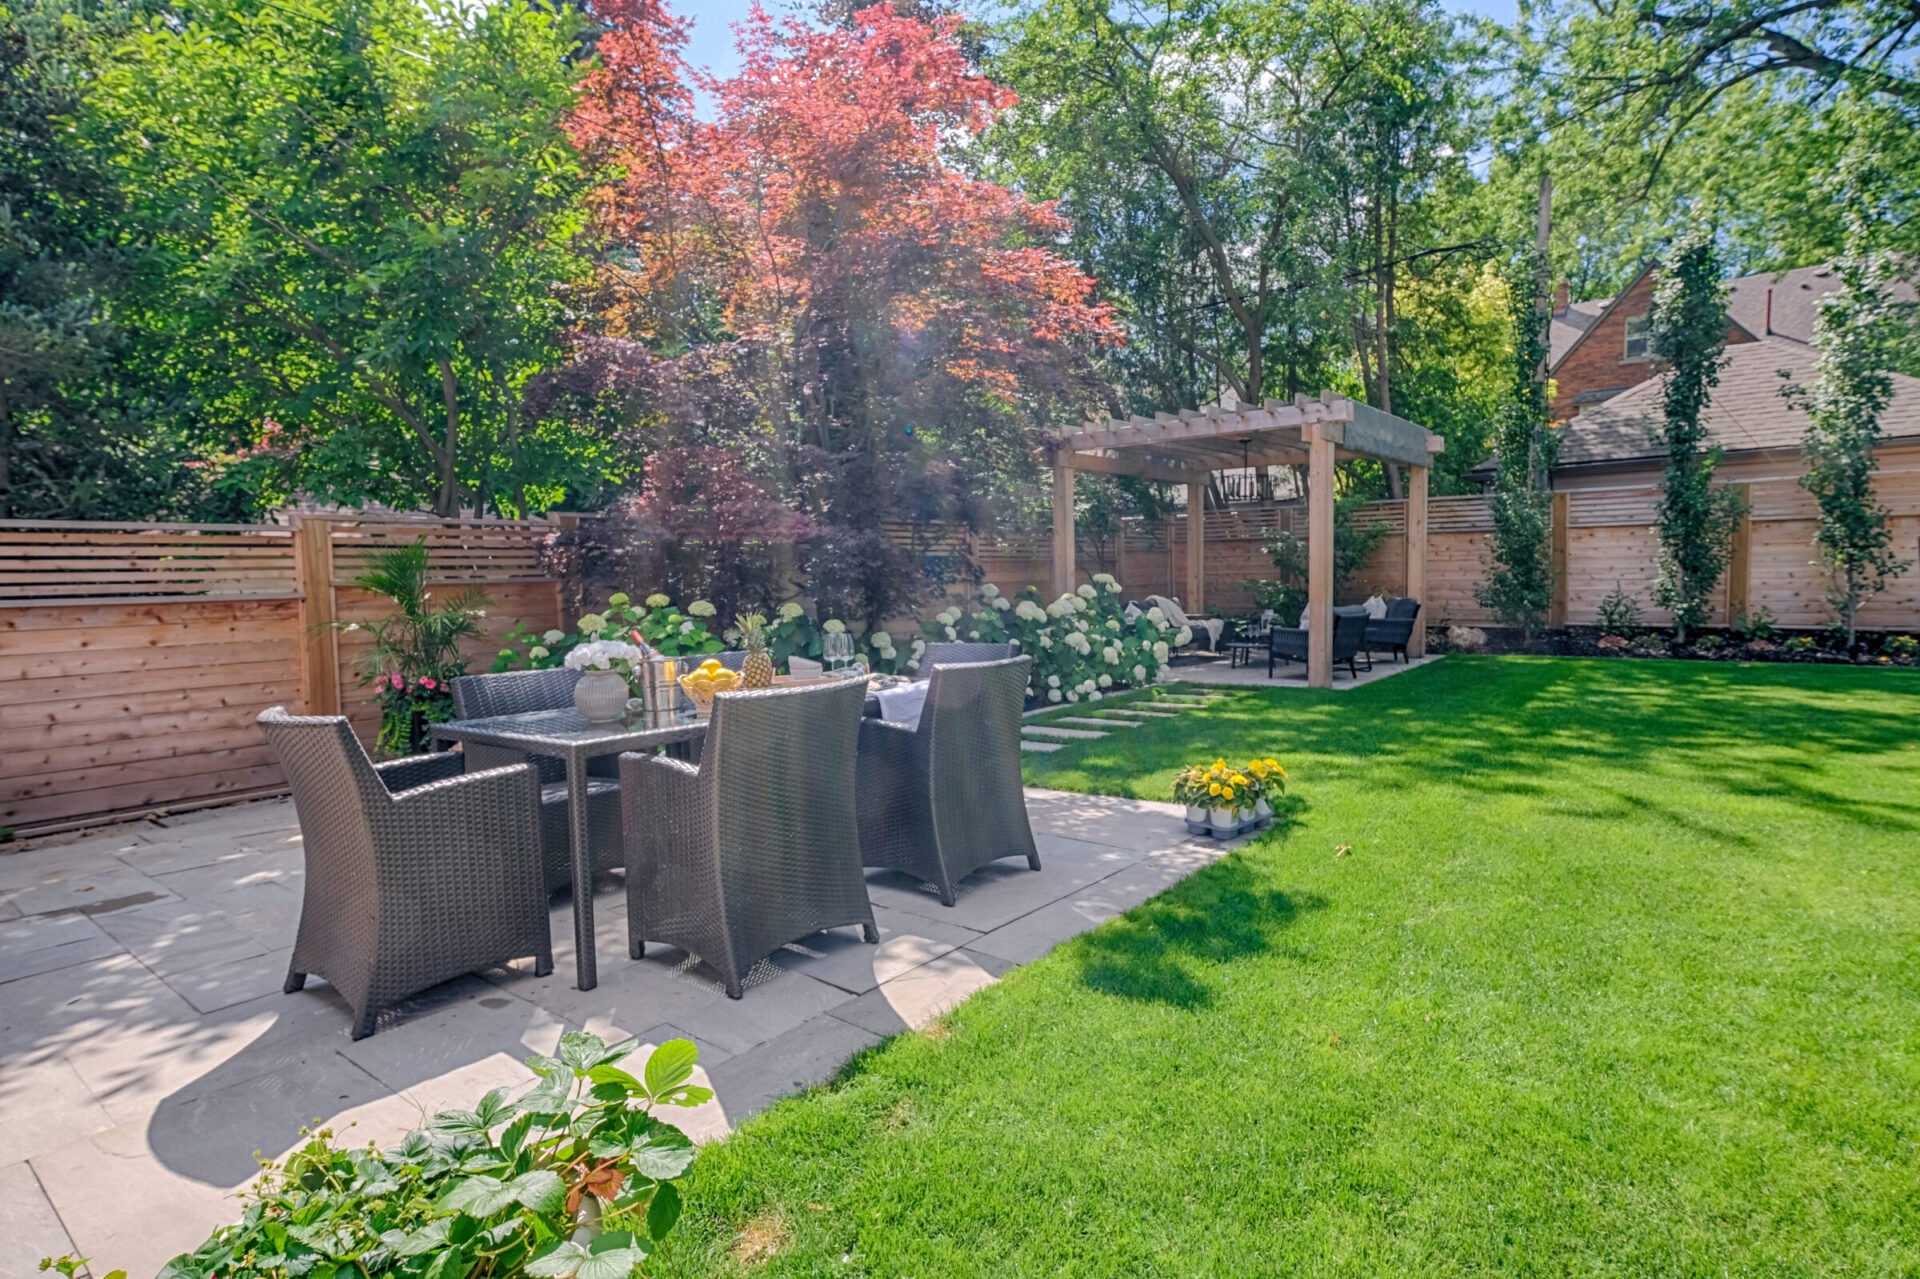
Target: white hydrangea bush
[{"x": 1082, "y": 644}]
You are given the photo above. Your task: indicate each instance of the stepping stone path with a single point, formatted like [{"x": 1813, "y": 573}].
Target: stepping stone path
[{"x": 1050, "y": 735}]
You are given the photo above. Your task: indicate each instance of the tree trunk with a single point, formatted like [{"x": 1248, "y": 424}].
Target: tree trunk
[{"x": 447, "y": 506}]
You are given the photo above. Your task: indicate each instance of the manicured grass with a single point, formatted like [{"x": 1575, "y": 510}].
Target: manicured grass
[{"x": 1558, "y": 968}]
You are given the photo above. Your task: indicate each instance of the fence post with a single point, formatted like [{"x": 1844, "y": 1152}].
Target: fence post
[
  {"x": 1740, "y": 559},
  {"x": 319, "y": 642},
  {"x": 1557, "y": 557}
]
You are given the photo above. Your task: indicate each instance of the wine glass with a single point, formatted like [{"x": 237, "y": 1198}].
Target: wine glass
[{"x": 837, "y": 650}]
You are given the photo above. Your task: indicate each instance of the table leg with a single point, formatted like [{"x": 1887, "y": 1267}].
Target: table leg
[{"x": 587, "y": 973}]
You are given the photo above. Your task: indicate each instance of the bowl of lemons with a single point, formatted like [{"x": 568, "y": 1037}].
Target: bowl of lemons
[{"x": 708, "y": 678}]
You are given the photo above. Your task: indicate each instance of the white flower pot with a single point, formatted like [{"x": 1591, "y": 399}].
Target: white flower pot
[
  {"x": 1196, "y": 820},
  {"x": 601, "y": 696},
  {"x": 1262, "y": 810},
  {"x": 1225, "y": 823}
]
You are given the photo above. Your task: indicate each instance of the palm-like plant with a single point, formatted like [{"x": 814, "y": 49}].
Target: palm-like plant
[{"x": 423, "y": 636}]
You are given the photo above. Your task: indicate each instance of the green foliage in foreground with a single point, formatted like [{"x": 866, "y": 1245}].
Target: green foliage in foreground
[
  {"x": 500, "y": 1190},
  {"x": 1617, "y": 974}
]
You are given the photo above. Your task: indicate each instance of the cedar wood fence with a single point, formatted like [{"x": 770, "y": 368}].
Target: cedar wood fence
[{"x": 134, "y": 657}]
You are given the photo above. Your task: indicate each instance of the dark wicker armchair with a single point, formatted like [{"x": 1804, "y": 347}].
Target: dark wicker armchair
[
  {"x": 416, "y": 872},
  {"x": 757, "y": 845},
  {"x": 949, "y": 654},
  {"x": 516, "y": 692},
  {"x": 1395, "y": 630},
  {"x": 1289, "y": 643},
  {"x": 942, "y": 800}
]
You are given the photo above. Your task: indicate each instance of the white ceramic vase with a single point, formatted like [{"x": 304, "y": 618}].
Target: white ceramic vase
[{"x": 601, "y": 696}]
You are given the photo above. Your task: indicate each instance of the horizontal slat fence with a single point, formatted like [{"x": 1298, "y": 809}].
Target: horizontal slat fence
[{"x": 134, "y": 657}]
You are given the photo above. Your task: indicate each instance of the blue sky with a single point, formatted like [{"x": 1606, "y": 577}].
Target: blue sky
[{"x": 712, "y": 42}]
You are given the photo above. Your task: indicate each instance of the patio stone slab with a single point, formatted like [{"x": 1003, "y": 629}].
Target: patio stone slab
[
  {"x": 912, "y": 1000},
  {"x": 1028, "y": 744},
  {"x": 841, "y": 958},
  {"x": 28, "y": 947},
  {"x": 808, "y": 1054},
  {"x": 146, "y": 1050},
  {"x": 1051, "y": 730},
  {"x": 28, "y": 1222},
  {"x": 1109, "y": 722}
]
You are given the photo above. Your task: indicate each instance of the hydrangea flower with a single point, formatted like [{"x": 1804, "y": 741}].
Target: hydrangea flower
[
  {"x": 1053, "y": 681},
  {"x": 1000, "y": 602},
  {"x": 592, "y": 624},
  {"x": 989, "y": 591},
  {"x": 657, "y": 600},
  {"x": 554, "y": 637},
  {"x": 1112, "y": 656},
  {"x": 686, "y": 628},
  {"x": 1094, "y": 696},
  {"x": 951, "y": 633},
  {"x": 1139, "y": 674},
  {"x": 619, "y": 599},
  {"x": 1160, "y": 651},
  {"x": 1053, "y": 694},
  {"x": 1085, "y": 592},
  {"x": 834, "y": 626},
  {"x": 919, "y": 646},
  {"x": 1183, "y": 636},
  {"x": 1073, "y": 697},
  {"x": 1155, "y": 616},
  {"x": 537, "y": 651},
  {"x": 1106, "y": 681},
  {"x": 701, "y": 608},
  {"x": 791, "y": 610},
  {"x": 1028, "y": 611}
]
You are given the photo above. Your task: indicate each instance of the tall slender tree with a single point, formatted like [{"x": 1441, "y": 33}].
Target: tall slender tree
[
  {"x": 1687, "y": 330},
  {"x": 1855, "y": 331},
  {"x": 1519, "y": 584}
]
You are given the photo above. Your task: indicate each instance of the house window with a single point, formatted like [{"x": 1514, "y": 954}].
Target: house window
[{"x": 1638, "y": 347}]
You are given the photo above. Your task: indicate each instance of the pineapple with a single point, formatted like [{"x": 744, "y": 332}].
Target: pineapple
[{"x": 757, "y": 670}]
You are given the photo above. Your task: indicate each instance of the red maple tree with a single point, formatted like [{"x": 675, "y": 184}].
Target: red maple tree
[{"x": 884, "y": 304}]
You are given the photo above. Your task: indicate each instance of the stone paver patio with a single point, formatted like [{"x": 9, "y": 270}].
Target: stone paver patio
[{"x": 146, "y": 1051}]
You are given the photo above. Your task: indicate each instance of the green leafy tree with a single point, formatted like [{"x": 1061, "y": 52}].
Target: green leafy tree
[
  {"x": 1687, "y": 330},
  {"x": 1855, "y": 333},
  {"x": 1353, "y": 545},
  {"x": 361, "y": 214},
  {"x": 1519, "y": 584},
  {"x": 80, "y": 436}
]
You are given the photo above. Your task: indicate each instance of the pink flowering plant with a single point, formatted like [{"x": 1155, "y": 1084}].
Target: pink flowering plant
[
  {"x": 415, "y": 651},
  {"x": 408, "y": 705}
]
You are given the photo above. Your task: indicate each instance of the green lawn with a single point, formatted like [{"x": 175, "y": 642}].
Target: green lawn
[{"x": 1619, "y": 974}]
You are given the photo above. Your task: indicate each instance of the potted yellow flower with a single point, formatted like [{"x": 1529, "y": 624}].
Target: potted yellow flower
[
  {"x": 1190, "y": 788},
  {"x": 1269, "y": 779}
]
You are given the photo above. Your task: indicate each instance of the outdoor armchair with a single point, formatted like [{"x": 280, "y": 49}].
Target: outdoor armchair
[
  {"x": 415, "y": 872},
  {"x": 1289, "y": 643},
  {"x": 949, "y": 654},
  {"x": 758, "y": 844},
  {"x": 943, "y": 799},
  {"x": 1176, "y": 617},
  {"x": 1393, "y": 631},
  {"x": 515, "y": 693}
]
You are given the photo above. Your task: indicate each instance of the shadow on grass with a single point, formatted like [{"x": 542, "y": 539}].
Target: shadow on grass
[{"x": 1160, "y": 952}]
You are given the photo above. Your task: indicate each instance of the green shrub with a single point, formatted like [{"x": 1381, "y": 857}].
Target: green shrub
[
  {"x": 1650, "y": 642},
  {"x": 1800, "y": 644},
  {"x": 1619, "y": 613},
  {"x": 1082, "y": 644},
  {"x": 1902, "y": 648},
  {"x": 668, "y": 630},
  {"x": 574, "y": 1179},
  {"x": 1757, "y": 625},
  {"x": 1710, "y": 643}
]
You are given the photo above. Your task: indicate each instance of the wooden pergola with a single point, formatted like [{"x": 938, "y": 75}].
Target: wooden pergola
[{"x": 1186, "y": 448}]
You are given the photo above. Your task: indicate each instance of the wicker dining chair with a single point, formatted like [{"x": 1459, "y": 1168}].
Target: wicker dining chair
[
  {"x": 950, "y": 654},
  {"x": 415, "y": 871},
  {"x": 943, "y": 799},
  {"x": 515, "y": 693},
  {"x": 758, "y": 844}
]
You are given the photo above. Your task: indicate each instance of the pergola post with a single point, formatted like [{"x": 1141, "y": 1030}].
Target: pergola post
[
  {"x": 1196, "y": 601},
  {"x": 1319, "y": 555},
  {"x": 1062, "y": 523},
  {"x": 1417, "y": 554}
]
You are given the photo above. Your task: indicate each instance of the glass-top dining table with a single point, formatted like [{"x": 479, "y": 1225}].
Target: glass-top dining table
[{"x": 568, "y": 736}]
